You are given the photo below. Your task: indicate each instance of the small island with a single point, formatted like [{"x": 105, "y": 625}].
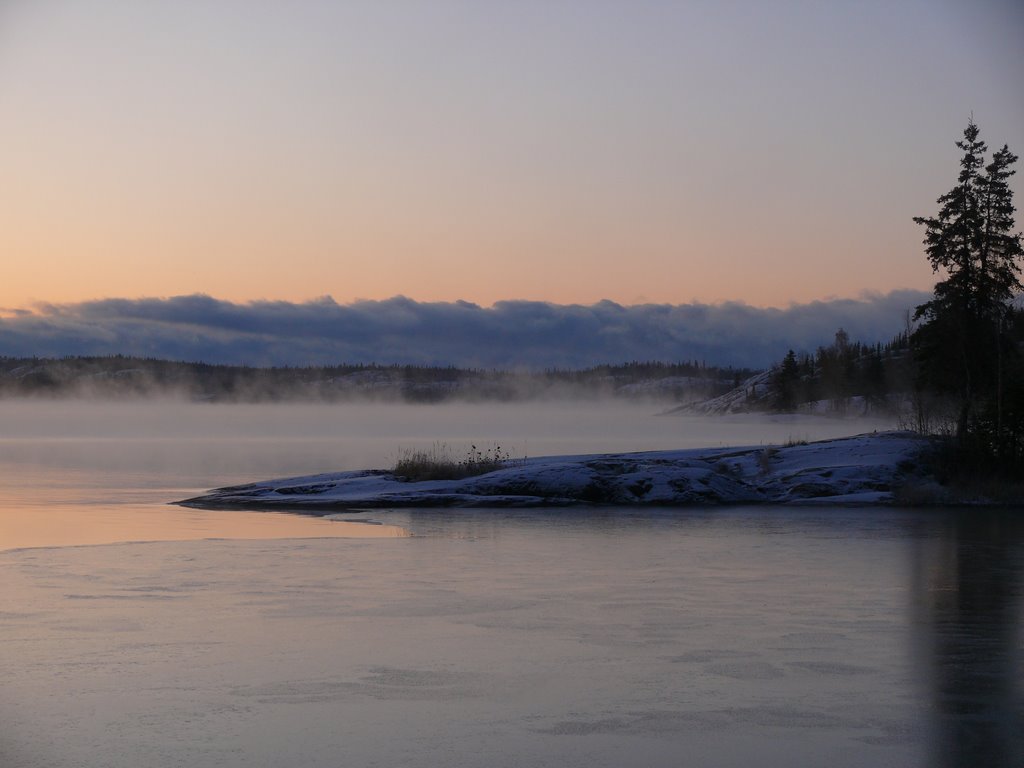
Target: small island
[{"x": 877, "y": 468}]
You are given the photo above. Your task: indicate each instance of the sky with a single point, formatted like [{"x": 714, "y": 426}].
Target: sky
[{"x": 761, "y": 153}]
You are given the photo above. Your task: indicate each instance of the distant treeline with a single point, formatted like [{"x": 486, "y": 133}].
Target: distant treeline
[
  {"x": 877, "y": 375},
  {"x": 120, "y": 377}
]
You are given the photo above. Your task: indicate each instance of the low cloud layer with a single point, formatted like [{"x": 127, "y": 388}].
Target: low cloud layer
[{"x": 399, "y": 330}]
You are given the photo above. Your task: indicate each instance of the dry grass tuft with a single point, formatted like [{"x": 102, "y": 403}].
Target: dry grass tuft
[{"x": 439, "y": 463}]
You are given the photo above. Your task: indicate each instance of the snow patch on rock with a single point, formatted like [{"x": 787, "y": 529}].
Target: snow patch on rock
[{"x": 864, "y": 469}]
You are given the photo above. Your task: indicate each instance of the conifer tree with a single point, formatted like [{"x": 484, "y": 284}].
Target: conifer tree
[
  {"x": 961, "y": 343},
  {"x": 786, "y": 383}
]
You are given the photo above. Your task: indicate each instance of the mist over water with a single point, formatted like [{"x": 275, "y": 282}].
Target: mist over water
[
  {"x": 183, "y": 443},
  {"x": 602, "y": 637},
  {"x": 108, "y": 469}
]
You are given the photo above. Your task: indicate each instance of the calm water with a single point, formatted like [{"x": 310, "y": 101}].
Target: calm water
[{"x": 724, "y": 637}]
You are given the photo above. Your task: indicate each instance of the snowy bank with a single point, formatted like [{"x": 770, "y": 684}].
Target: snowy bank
[{"x": 865, "y": 469}]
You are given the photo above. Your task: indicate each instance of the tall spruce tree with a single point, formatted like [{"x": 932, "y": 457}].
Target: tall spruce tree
[
  {"x": 786, "y": 382},
  {"x": 962, "y": 342}
]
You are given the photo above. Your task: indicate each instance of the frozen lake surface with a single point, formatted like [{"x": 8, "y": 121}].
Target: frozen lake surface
[{"x": 702, "y": 637}]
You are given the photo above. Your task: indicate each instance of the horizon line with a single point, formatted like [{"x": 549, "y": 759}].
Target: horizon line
[{"x": 42, "y": 306}]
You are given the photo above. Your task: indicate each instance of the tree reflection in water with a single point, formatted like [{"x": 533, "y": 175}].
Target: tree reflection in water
[{"x": 967, "y": 602}]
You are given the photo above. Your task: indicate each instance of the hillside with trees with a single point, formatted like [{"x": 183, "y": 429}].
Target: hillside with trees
[
  {"x": 844, "y": 375},
  {"x": 128, "y": 377}
]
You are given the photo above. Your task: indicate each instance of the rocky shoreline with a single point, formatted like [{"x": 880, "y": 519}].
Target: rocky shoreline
[{"x": 864, "y": 469}]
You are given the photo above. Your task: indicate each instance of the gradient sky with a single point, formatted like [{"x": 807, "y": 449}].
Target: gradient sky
[{"x": 763, "y": 152}]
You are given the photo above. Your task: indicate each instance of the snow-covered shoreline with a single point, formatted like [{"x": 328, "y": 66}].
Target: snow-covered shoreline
[{"x": 863, "y": 469}]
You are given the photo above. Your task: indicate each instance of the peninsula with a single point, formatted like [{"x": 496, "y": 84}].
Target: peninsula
[{"x": 874, "y": 468}]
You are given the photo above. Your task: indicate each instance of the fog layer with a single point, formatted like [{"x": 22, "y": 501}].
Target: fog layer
[
  {"x": 400, "y": 330},
  {"x": 182, "y": 444}
]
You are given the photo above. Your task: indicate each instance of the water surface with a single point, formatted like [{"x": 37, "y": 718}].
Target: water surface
[{"x": 607, "y": 637}]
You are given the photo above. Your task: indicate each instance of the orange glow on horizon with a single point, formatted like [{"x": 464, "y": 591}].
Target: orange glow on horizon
[{"x": 657, "y": 154}]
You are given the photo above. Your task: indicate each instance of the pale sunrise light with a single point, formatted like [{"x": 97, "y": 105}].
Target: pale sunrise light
[{"x": 641, "y": 152}]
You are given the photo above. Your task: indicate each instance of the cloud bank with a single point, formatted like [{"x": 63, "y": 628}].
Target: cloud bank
[{"x": 510, "y": 334}]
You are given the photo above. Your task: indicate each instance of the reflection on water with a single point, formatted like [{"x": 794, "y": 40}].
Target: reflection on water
[
  {"x": 49, "y": 501},
  {"x": 76, "y": 525},
  {"x": 603, "y": 637},
  {"x": 967, "y": 594},
  {"x": 742, "y": 636}
]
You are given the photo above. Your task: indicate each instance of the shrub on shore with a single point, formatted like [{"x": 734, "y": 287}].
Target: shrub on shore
[{"x": 439, "y": 463}]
